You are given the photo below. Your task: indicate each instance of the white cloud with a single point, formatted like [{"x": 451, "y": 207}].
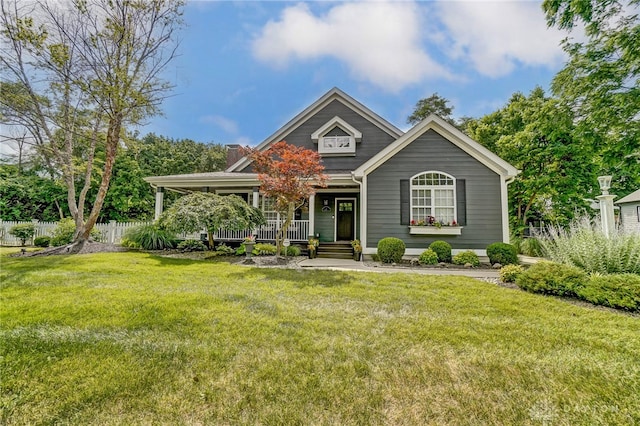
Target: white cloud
[
  {"x": 224, "y": 123},
  {"x": 380, "y": 42},
  {"x": 495, "y": 37}
]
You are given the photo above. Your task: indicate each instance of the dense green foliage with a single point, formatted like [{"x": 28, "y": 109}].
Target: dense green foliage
[
  {"x": 601, "y": 82},
  {"x": 583, "y": 244},
  {"x": 64, "y": 231},
  {"x": 292, "y": 251},
  {"x": 552, "y": 278},
  {"x": 27, "y": 194},
  {"x": 442, "y": 249},
  {"x": 391, "y": 250},
  {"x": 23, "y": 232},
  {"x": 151, "y": 237},
  {"x": 133, "y": 338},
  {"x": 225, "y": 250},
  {"x": 191, "y": 245},
  {"x": 42, "y": 241},
  {"x": 264, "y": 249},
  {"x": 620, "y": 291},
  {"x": 510, "y": 273},
  {"x": 428, "y": 257},
  {"x": 200, "y": 210},
  {"x": 465, "y": 257},
  {"x": 502, "y": 253}
]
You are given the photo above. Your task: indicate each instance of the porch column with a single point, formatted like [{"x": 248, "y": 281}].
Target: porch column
[
  {"x": 256, "y": 197},
  {"x": 159, "y": 202},
  {"x": 312, "y": 215}
]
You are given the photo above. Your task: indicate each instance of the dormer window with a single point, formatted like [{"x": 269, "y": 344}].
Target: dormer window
[{"x": 336, "y": 137}]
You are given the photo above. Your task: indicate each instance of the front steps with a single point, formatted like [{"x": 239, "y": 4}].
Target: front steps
[{"x": 337, "y": 250}]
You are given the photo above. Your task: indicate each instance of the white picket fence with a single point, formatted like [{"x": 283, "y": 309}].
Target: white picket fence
[{"x": 113, "y": 231}]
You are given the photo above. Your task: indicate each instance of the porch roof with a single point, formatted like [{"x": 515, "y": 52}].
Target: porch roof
[{"x": 193, "y": 181}]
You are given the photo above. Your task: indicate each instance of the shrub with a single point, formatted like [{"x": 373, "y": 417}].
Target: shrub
[
  {"x": 151, "y": 237},
  {"x": 292, "y": 251},
  {"x": 428, "y": 257},
  {"x": 125, "y": 242},
  {"x": 225, "y": 250},
  {"x": 375, "y": 257},
  {"x": 442, "y": 249},
  {"x": 509, "y": 273},
  {"x": 63, "y": 233},
  {"x": 621, "y": 291},
  {"x": 552, "y": 278},
  {"x": 42, "y": 241},
  {"x": 191, "y": 245},
  {"x": 391, "y": 250},
  {"x": 531, "y": 247},
  {"x": 465, "y": 257},
  {"x": 584, "y": 245},
  {"x": 502, "y": 253},
  {"x": 264, "y": 249},
  {"x": 23, "y": 232}
]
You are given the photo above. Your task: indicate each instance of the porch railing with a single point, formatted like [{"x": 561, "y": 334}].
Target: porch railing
[{"x": 297, "y": 231}]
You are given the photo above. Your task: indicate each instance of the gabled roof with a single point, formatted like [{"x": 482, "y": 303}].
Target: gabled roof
[
  {"x": 451, "y": 133},
  {"x": 634, "y": 197},
  {"x": 326, "y": 99}
]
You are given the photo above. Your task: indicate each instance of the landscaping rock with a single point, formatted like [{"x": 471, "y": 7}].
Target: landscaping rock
[
  {"x": 468, "y": 265},
  {"x": 497, "y": 266}
]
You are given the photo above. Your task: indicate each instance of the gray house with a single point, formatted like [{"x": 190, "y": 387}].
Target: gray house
[
  {"x": 430, "y": 183},
  {"x": 630, "y": 212}
]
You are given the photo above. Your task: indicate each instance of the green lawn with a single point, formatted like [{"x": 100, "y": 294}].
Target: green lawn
[{"x": 131, "y": 338}]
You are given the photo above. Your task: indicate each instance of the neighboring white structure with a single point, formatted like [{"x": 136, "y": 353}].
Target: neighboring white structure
[{"x": 630, "y": 212}]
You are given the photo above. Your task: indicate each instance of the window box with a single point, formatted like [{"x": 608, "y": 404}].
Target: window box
[{"x": 434, "y": 230}]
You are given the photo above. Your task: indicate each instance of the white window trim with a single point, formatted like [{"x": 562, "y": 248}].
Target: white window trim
[
  {"x": 353, "y": 134},
  {"x": 433, "y": 207}
]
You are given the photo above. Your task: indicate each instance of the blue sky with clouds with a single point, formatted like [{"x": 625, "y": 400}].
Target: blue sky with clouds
[{"x": 246, "y": 68}]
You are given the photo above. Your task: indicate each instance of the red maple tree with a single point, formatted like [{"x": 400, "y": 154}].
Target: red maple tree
[{"x": 289, "y": 175}]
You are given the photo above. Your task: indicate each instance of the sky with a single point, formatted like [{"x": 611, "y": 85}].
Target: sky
[{"x": 246, "y": 68}]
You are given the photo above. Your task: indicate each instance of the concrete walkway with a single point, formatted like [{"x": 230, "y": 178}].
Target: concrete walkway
[{"x": 352, "y": 265}]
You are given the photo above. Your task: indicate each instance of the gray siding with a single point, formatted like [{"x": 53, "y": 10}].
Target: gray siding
[
  {"x": 431, "y": 151},
  {"x": 373, "y": 138},
  {"x": 630, "y": 217}
]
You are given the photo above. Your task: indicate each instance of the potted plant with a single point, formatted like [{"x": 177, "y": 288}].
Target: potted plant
[
  {"x": 357, "y": 249},
  {"x": 313, "y": 247},
  {"x": 249, "y": 243}
]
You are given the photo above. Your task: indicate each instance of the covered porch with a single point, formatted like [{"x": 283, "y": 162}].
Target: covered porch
[{"x": 332, "y": 213}]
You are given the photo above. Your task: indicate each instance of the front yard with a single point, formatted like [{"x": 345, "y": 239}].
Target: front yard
[{"x": 132, "y": 338}]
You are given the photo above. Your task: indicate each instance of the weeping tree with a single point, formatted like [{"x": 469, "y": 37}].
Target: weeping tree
[
  {"x": 81, "y": 71},
  {"x": 289, "y": 175},
  {"x": 200, "y": 210}
]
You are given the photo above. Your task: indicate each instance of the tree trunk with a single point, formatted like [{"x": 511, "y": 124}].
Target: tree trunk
[
  {"x": 282, "y": 232},
  {"x": 111, "y": 149}
]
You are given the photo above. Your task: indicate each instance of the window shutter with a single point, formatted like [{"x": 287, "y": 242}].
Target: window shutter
[
  {"x": 405, "y": 206},
  {"x": 461, "y": 201}
]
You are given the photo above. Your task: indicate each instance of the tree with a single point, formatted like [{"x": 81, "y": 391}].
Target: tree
[
  {"x": 434, "y": 104},
  {"x": 289, "y": 174},
  {"x": 101, "y": 61},
  {"x": 200, "y": 210},
  {"x": 601, "y": 81},
  {"x": 535, "y": 134}
]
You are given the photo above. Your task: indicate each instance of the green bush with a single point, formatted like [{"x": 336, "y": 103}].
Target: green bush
[
  {"x": 531, "y": 247},
  {"x": 391, "y": 250},
  {"x": 264, "y": 249},
  {"x": 509, "y": 273},
  {"x": 224, "y": 250},
  {"x": 442, "y": 249},
  {"x": 552, "y": 278},
  {"x": 151, "y": 237},
  {"x": 502, "y": 253},
  {"x": 428, "y": 257},
  {"x": 191, "y": 245},
  {"x": 42, "y": 241},
  {"x": 63, "y": 233},
  {"x": 620, "y": 291},
  {"x": 375, "y": 257},
  {"x": 583, "y": 244},
  {"x": 125, "y": 242},
  {"x": 292, "y": 251},
  {"x": 23, "y": 232},
  {"x": 465, "y": 257}
]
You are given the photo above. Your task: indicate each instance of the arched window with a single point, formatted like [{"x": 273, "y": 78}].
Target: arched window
[{"x": 433, "y": 198}]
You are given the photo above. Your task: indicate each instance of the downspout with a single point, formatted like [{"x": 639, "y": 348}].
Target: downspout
[{"x": 505, "y": 210}]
